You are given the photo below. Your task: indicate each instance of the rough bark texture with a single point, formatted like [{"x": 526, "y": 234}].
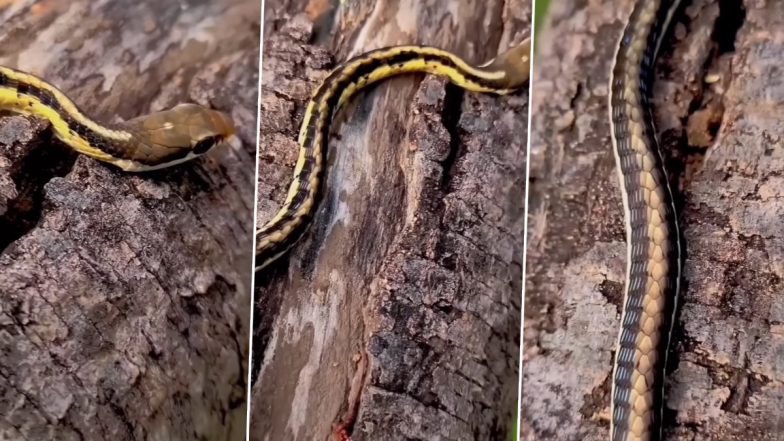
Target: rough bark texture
[
  {"x": 726, "y": 367},
  {"x": 413, "y": 266},
  {"x": 124, "y": 298}
]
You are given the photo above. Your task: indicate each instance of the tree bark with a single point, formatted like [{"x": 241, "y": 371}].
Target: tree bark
[
  {"x": 724, "y": 144},
  {"x": 397, "y": 316},
  {"x": 124, "y": 298}
]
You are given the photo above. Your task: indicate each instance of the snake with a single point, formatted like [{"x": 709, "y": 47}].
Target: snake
[
  {"x": 501, "y": 75},
  {"x": 654, "y": 256},
  {"x": 150, "y": 142}
]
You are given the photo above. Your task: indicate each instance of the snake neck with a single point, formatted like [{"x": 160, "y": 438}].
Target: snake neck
[{"x": 29, "y": 95}]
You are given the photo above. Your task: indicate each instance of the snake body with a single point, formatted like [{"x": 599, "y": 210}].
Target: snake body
[
  {"x": 653, "y": 242},
  {"x": 504, "y": 74},
  {"x": 148, "y": 142}
]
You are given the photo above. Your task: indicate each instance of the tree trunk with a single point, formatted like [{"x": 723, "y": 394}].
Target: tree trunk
[
  {"x": 124, "y": 298},
  {"x": 397, "y": 316},
  {"x": 724, "y": 144}
]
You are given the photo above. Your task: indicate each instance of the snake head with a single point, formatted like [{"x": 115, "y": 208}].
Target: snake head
[
  {"x": 174, "y": 136},
  {"x": 515, "y": 63}
]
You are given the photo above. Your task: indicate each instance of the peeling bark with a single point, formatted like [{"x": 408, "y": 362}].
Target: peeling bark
[
  {"x": 724, "y": 143},
  {"x": 414, "y": 259},
  {"x": 124, "y": 298}
]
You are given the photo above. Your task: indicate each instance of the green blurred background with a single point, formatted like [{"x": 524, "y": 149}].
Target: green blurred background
[{"x": 540, "y": 12}]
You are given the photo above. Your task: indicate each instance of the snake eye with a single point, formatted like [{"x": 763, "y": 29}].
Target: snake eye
[{"x": 205, "y": 144}]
